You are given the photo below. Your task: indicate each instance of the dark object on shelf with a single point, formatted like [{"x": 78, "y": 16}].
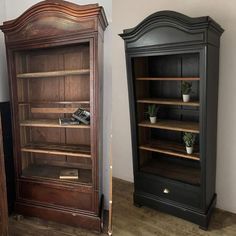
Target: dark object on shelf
[
  {"x": 82, "y": 115},
  {"x": 68, "y": 121},
  {"x": 55, "y": 63},
  {"x": 162, "y": 51},
  {"x": 69, "y": 174},
  {"x": 8, "y": 153},
  {"x": 3, "y": 189}
]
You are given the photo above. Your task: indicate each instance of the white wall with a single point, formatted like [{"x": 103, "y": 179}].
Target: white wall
[
  {"x": 4, "y": 95},
  {"x": 128, "y": 13},
  {"x": 16, "y": 8}
]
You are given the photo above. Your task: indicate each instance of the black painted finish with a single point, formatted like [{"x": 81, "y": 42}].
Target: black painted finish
[
  {"x": 169, "y": 44},
  {"x": 8, "y": 155}
]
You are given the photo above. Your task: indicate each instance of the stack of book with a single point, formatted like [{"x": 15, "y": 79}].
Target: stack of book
[{"x": 78, "y": 117}]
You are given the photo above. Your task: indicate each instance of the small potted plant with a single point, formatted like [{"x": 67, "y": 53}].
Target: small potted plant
[
  {"x": 189, "y": 140},
  {"x": 186, "y": 88},
  {"x": 152, "y": 112}
]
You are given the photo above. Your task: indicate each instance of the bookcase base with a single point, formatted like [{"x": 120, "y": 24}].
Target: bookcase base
[
  {"x": 197, "y": 217},
  {"x": 63, "y": 216}
]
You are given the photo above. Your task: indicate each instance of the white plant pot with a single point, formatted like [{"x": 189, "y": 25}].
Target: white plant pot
[
  {"x": 186, "y": 97},
  {"x": 153, "y": 119},
  {"x": 189, "y": 150}
]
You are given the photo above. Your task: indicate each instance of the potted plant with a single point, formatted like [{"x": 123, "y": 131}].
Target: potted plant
[
  {"x": 186, "y": 88},
  {"x": 189, "y": 140},
  {"x": 152, "y": 112}
]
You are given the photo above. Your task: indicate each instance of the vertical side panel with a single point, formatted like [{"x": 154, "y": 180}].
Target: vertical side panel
[
  {"x": 132, "y": 109},
  {"x": 92, "y": 56},
  {"x": 212, "y": 107},
  {"x": 100, "y": 108}
]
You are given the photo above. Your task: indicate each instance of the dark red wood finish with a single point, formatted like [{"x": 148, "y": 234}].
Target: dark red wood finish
[{"x": 49, "y": 24}]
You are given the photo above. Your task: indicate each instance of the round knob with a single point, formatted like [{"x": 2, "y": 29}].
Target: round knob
[{"x": 166, "y": 191}]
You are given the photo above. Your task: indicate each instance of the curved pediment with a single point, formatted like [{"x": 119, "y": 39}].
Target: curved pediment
[
  {"x": 58, "y": 17},
  {"x": 169, "y": 27}
]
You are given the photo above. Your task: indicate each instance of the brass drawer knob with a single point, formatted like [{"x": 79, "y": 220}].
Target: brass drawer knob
[{"x": 166, "y": 191}]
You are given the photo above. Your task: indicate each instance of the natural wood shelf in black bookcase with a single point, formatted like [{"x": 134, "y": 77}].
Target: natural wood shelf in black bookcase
[
  {"x": 169, "y": 78},
  {"x": 168, "y": 101},
  {"x": 184, "y": 126},
  {"x": 170, "y": 148}
]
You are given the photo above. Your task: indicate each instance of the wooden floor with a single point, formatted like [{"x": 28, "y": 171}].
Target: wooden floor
[
  {"x": 130, "y": 221},
  {"x": 26, "y": 226}
]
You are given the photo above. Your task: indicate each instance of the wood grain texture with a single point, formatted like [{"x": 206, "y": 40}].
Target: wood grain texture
[
  {"x": 53, "y": 110},
  {"x": 50, "y": 124},
  {"x": 53, "y": 172},
  {"x": 62, "y": 18},
  {"x": 52, "y": 102},
  {"x": 58, "y": 149},
  {"x": 169, "y": 78},
  {"x": 55, "y": 58},
  {"x": 52, "y": 74},
  {"x": 31, "y": 226},
  {"x": 168, "y": 101},
  {"x": 170, "y": 148},
  {"x": 184, "y": 126}
]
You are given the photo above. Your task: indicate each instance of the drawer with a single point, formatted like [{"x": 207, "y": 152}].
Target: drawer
[
  {"x": 56, "y": 195},
  {"x": 170, "y": 190}
]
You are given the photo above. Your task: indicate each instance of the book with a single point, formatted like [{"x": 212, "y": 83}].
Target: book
[
  {"x": 69, "y": 121},
  {"x": 69, "y": 174},
  {"x": 82, "y": 115}
]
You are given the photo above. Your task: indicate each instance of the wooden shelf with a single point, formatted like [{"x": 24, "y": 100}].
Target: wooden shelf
[
  {"x": 168, "y": 101},
  {"x": 53, "y": 102},
  {"x": 170, "y": 148},
  {"x": 173, "y": 171},
  {"x": 58, "y": 149},
  {"x": 50, "y": 124},
  {"x": 184, "y": 126},
  {"x": 169, "y": 78},
  {"x": 53, "y": 73},
  {"x": 54, "y": 110},
  {"x": 53, "y": 172}
]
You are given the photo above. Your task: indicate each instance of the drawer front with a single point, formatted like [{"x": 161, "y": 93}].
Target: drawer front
[
  {"x": 55, "y": 195},
  {"x": 167, "y": 189}
]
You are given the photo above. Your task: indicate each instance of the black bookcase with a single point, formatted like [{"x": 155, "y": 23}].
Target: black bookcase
[{"x": 163, "y": 51}]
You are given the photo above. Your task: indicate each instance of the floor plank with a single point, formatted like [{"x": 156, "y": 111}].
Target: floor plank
[{"x": 29, "y": 226}]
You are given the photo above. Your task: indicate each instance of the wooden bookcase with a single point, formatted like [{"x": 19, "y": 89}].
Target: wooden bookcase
[
  {"x": 164, "y": 50},
  {"x": 55, "y": 65}
]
